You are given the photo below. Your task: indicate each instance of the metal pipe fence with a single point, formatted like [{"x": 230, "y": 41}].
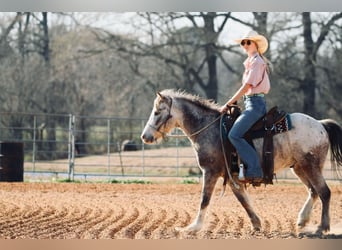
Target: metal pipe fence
[
  {"x": 71, "y": 146},
  {"x": 67, "y": 146}
]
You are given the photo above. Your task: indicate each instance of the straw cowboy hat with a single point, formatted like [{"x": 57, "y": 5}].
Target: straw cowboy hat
[{"x": 260, "y": 40}]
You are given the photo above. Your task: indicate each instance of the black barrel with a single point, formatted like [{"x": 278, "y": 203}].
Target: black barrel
[{"x": 12, "y": 161}]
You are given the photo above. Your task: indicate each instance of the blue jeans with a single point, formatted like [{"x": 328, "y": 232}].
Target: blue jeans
[{"x": 255, "y": 108}]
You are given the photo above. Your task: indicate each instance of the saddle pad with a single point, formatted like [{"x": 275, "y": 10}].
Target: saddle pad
[{"x": 281, "y": 126}]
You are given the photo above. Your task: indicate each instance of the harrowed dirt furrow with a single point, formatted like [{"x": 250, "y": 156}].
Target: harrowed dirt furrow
[
  {"x": 108, "y": 228},
  {"x": 277, "y": 223},
  {"x": 292, "y": 228},
  {"x": 224, "y": 226},
  {"x": 185, "y": 219},
  {"x": 167, "y": 229},
  {"x": 276, "y": 228},
  {"x": 266, "y": 226},
  {"x": 238, "y": 225},
  {"x": 228, "y": 226},
  {"x": 81, "y": 223},
  {"x": 145, "y": 214},
  {"x": 43, "y": 222},
  {"x": 213, "y": 221},
  {"x": 140, "y": 211},
  {"x": 10, "y": 216},
  {"x": 96, "y": 221},
  {"x": 158, "y": 216},
  {"x": 59, "y": 224},
  {"x": 9, "y": 208},
  {"x": 130, "y": 215},
  {"x": 281, "y": 228},
  {"x": 74, "y": 224},
  {"x": 93, "y": 229},
  {"x": 22, "y": 226}
]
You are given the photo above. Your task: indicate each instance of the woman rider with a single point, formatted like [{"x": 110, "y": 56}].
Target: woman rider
[{"x": 255, "y": 85}]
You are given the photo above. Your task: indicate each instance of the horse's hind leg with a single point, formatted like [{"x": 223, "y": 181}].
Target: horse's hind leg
[
  {"x": 242, "y": 196},
  {"x": 305, "y": 212},
  {"x": 324, "y": 194},
  {"x": 317, "y": 186}
]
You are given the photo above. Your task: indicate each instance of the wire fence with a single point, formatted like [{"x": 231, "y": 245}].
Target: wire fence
[{"x": 83, "y": 147}]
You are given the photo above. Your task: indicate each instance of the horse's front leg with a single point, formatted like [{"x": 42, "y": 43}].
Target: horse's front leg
[
  {"x": 242, "y": 196},
  {"x": 209, "y": 182}
]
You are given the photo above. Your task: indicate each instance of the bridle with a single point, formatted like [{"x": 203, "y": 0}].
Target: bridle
[{"x": 169, "y": 116}]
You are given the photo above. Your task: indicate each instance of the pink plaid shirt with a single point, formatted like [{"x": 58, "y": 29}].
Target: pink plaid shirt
[{"x": 256, "y": 75}]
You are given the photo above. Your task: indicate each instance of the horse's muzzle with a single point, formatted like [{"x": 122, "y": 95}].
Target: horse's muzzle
[{"x": 148, "y": 139}]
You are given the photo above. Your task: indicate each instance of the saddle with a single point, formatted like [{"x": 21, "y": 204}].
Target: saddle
[{"x": 275, "y": 121}]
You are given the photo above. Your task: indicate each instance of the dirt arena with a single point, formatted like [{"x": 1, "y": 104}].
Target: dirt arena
[{"x": 152, "y": 211}]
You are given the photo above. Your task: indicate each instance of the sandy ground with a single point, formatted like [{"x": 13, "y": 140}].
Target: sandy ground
[{"x": 152, "y": 211}]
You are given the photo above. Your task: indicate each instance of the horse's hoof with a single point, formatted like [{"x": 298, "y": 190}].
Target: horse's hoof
[
  {"x": 301, "y": 223},
  {"x": 323, "y": 229},
  {"x": 256, "y": 224},
  {"x": 300, "y": 226}
]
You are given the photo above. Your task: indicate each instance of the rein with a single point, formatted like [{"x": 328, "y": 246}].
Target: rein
[
  {"x": 183, "y": 136},
  {"x": 198, "y": 131},
  {"x": 220, "y": 117}
]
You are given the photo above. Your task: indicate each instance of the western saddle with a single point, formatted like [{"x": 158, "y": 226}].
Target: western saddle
[{"x": 265, "y": 128}]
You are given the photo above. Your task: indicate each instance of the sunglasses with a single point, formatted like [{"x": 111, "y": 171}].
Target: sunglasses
[{"x": 243, "y": 42}]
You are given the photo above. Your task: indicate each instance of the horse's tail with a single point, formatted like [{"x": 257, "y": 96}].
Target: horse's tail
[{"x": 335, "y": 137}]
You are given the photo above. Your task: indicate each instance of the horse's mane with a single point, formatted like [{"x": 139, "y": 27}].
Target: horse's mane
[{"x": 199, "y": 101}]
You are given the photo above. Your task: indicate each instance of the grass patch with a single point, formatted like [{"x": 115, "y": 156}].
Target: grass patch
[
  {"x": 68, "y": 181},
  {"x": 130, "y": 182},
  {"x": 190, "y": 181}
]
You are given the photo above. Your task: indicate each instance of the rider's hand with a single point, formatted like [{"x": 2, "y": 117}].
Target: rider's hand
[{"x": 223, "y": 109}]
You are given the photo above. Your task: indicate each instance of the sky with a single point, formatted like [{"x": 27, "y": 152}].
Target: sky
[
  {"x": 167, "y": 5},
  {"x": 120, "y": 22}
]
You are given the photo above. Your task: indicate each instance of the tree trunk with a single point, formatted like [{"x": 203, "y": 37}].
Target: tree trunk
[
  {"x": 211, "y": 89},
  {"x": 261, "y": 19},
  {"x": 51, "y": 122},
  {"x": 309, "y": 82}
]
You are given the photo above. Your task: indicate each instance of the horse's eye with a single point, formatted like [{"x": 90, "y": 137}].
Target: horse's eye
[{"x": 156, "y": 113}]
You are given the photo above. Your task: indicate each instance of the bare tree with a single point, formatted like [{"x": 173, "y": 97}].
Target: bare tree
[
  {"x": 308, "y": 84},
  {"x": 190, "y": 53}
]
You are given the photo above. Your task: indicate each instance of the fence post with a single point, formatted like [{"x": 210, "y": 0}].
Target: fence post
[
  {"x": 34, "y": 146},
  {"x": 71, "y": 147},
  {"x": 143, "y": 149},
  {"x": 108, "y": 147}
]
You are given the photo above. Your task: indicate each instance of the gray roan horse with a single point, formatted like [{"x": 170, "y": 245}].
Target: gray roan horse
[{"x": 304, "y": 149}]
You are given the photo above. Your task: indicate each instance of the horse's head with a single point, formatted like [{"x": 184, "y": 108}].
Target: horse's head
[{"x": 160, "y": 121}]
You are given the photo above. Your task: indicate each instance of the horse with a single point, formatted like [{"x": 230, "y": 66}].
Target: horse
[{"x": 304, "y": 149}]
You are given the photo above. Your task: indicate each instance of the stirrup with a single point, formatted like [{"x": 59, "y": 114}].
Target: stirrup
[{"x": 241, "y": 176}]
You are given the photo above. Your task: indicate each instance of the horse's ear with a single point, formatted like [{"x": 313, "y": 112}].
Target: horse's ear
[{"x": 160, "y": 95}]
